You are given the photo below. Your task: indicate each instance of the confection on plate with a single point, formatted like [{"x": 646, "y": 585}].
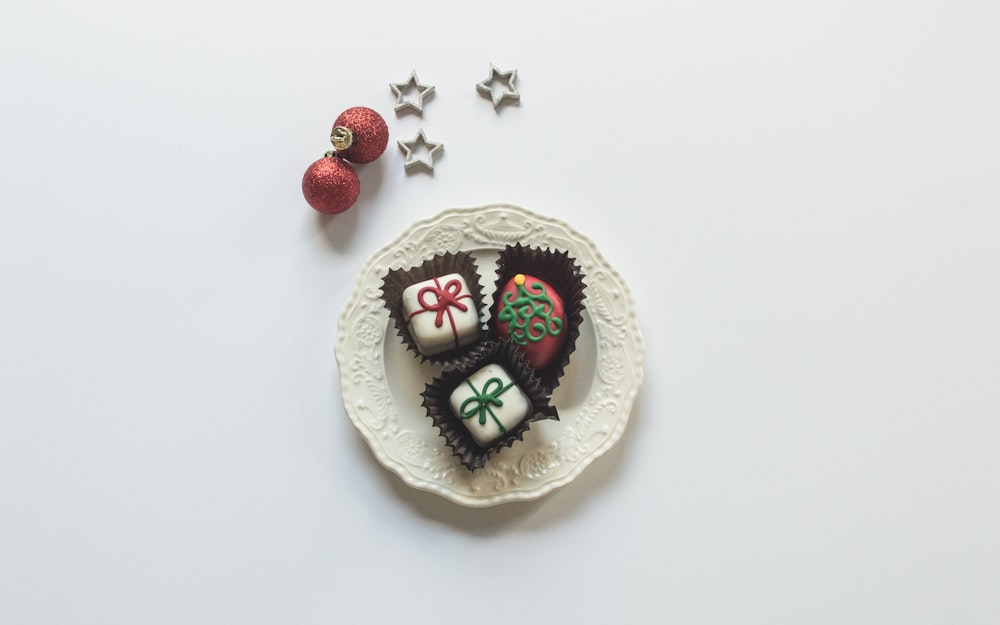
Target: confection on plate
[
  {"x": 489, "y": 403},
  {"x": 486, "y": 404},
  {"x": 440, "y": 314},
  {"x": 530, "y": 313},
  {"x": 437, "y": 307},
  {"x": 538, "y": 307}
]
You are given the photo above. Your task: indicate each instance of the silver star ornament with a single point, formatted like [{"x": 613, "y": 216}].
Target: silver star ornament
[
  {"x": 402, "y": 102},
  {"x": 411, "y": 162},
  {"x": 485, "y": 88}
]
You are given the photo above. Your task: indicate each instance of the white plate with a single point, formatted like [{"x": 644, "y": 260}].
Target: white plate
[{"x": 381, "y": 381}]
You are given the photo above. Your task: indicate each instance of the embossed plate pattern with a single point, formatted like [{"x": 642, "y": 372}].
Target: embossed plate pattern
[{"x": 381, "y": 382}]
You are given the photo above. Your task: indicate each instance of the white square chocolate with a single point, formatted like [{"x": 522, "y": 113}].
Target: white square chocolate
[
  {"x": 441, "y": 314},
  {"x": 489, "y": 403}
]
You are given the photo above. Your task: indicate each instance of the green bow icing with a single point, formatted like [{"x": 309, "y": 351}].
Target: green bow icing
[
  {"x": 529, "y": 314},
  {"x": 480, "y": 401}
]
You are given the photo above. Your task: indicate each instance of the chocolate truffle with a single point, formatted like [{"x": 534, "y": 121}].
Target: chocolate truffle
[
  {"x": 538, "y": 308},
  {"x": 530, "y": 313}
]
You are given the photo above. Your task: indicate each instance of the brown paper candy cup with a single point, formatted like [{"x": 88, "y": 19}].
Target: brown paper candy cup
[
  {"x": 561, "y": 272},
  {"x": 437, "y": 394},
  {"x": 397, "y": 280}
]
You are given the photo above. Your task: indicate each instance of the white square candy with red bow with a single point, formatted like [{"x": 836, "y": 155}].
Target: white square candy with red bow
[{"x": 440, "y": 314}]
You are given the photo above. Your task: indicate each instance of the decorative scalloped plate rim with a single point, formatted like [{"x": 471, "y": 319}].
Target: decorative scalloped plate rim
[{"x": 403, "y": 439}]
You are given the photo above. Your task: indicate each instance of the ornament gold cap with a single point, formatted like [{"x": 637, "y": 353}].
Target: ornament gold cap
[{"x": 341, "y": 137}]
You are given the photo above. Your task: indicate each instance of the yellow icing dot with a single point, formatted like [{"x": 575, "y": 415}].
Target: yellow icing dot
[{"x": 519, "y": 279}]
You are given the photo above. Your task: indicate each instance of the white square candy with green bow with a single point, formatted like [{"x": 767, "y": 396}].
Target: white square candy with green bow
[{"x": 489, "y": 403}]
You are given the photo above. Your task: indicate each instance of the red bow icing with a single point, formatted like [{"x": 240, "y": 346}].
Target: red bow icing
[
  {"x": 448, "y": 296},
  {"x": 444, "y": 299}
]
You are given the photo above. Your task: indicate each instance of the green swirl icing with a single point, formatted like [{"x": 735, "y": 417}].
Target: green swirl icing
[{"x": 529, "y": 314}]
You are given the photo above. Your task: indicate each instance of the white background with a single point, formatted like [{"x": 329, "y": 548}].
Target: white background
[{"x": 802, "y": 196}]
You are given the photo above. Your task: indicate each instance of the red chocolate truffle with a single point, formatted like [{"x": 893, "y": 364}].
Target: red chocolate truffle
[{"x": 530, "y": 313}]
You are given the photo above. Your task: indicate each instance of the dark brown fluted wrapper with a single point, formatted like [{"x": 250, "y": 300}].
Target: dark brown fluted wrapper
[
  {"x": 397, "y": 280},
  {"x": 436, "y": 401},
  {"x": 559, "y": 270}
]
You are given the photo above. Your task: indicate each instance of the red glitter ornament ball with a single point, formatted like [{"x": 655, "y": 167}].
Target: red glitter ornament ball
[
  {"x": 371, "y": 134},
  {"x": 330, "y": 185}
]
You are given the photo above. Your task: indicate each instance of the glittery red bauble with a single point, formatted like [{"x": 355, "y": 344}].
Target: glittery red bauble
[
  {"x": 330, "y": 185},
  {"x": 371, "y": 134}
]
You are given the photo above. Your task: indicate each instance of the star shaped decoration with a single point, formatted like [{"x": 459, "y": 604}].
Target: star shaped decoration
[
  {"x": 499, "y": 97},
  {"x": 402, "y": 102},
  {"x": 410, "y": 161}
]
